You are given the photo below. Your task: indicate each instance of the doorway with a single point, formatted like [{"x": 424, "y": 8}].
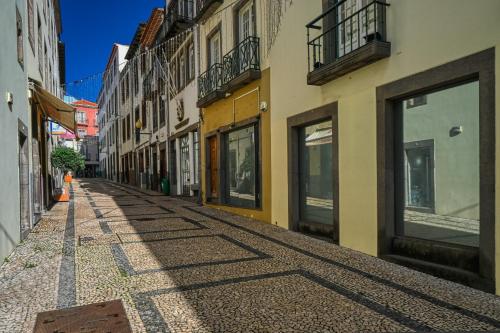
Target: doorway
[
  {"x": 313, "y": 173},
  {"x": 213, "y": 172},
  {"x": 185, "y": 166},
  {"x": 24, "y": 210},
  {"x": 154, "y": 185}
]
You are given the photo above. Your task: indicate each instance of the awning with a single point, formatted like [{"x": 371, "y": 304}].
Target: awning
[{"x": 55, "y": 108}]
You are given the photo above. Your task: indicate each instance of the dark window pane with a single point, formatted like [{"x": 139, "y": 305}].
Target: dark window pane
[
  {"x": 440, "y": 158},
  {"x": 241, "y": 167},
  {"x": 315, "y": 172}
]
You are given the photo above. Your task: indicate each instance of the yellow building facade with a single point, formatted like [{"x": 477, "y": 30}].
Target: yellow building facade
[
  {"x": 345, "y": 92},
  {"x": 234, "y": 101}
]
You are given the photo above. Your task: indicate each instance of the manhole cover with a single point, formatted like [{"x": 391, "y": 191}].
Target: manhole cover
[{"x": 98, "y": 317}]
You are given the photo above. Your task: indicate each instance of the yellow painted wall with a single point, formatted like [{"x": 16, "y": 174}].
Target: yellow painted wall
[
  {"x": 424, "y": 34},
  {"x": 220, "y": 114}
]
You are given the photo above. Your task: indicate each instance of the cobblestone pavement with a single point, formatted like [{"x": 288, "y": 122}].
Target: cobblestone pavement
[{"x": 179, "y": 267}]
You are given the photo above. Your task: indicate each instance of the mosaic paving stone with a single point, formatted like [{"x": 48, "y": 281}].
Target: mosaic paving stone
[
  {"x": 268, "y": 304},
  {"x": 153, "y": 225},
  {"x": 179, "y": 267}
]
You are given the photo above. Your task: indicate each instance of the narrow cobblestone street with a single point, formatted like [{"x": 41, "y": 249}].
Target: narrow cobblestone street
[{"x": 179, "y": 267}]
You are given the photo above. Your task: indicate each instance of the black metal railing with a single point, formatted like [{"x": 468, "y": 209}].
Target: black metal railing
[
  {"x": 179, "y": 10},
  {"x": 245, "y": 56},
  {"x": 210, "y": 81},
  {"x": 336, "y": 32}
]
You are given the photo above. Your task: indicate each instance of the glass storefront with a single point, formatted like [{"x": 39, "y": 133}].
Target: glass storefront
[
  {"x": 241, "y": 151},
  {"x": 315, "y": 173},
  {"x": 439, "y": 165}
]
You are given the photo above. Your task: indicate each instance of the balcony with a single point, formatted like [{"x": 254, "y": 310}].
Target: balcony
[
  {"x": 241, "y": 65},
  {"x": 205, "y": 8},
  {"x": 339, "y": 43},
  {"x": 210, "y": 86},
  {"x": 179, "y": 16}
]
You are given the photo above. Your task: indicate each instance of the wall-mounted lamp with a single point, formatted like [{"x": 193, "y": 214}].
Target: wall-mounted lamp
[
  {"x": 9, "y": 98},
  {"x": 263, "y": 106},
  {"x": 456, "y": 130}
]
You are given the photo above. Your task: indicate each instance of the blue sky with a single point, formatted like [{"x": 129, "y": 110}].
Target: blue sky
[{"x": 90, "y": 27}]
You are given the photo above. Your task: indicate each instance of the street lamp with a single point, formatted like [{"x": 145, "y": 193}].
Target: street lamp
[{"x": 138, "y": 126}]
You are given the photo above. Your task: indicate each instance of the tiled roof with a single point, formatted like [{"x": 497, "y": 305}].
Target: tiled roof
[
  {"x": 84, "y": 102},
  {"x": 154, "y": 23}
]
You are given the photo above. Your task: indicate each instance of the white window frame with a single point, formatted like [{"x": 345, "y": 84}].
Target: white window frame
[{"x": 245, "y": 21}]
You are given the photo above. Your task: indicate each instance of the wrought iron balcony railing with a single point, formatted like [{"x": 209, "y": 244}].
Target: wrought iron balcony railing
[
  {"x": 342, "y": 30},
  {"x": 244, "y": 57},
  {"x": 210, "y": 81},
  {"x": 179, "y": 16}
]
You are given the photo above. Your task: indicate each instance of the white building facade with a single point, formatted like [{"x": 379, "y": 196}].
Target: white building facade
[{"x": 109, "y": 115}]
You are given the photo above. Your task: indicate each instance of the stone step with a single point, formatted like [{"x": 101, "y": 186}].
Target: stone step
[
  {"x": 462, "y": 257},
  {"x": 443, "y": 271}
]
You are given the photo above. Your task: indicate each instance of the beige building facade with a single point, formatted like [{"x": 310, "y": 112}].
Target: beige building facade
[{"x": 350, "y": 103}]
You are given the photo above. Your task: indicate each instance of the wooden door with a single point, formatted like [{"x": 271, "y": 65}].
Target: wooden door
[{"x": 214, "y": 166}]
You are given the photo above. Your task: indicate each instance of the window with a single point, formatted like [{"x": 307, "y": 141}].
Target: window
[
  {"x": 127, "y": 87},
  {"x": 439, "y": 154},
  {"x": 174, "y": 76},
  {"x": 31, "y": 25},
  {"x": 155, "y": 114},
  {"x": 81, "y": 132},
  {"x": 40, "y": 45},
  {"x": 245, "y": 21},
  {"x": 241, "y": 152},
  {"x": 123, "y": 90},
  {"x": 315, "y": 173},
  {"x": 173, "y": 163},
  {"x": 182, "y": 71},
  {"x": 214, "y": 53},
  {"x": 419, "y": 175},
  {"x": 81, "y": 117},
  {"x": 191, "y": 62},
  {"x": 124, "y": 132},
  {"x": 137, "y": 116},
  {"x": 128, "y": 126},
  {"x": 144, "y": 115},
  {"x": 355, "y": 29},
  {"x": 19, "y": 33},
  {"x": 143, "y": 63},
  {"x": 162, "y": 111},
  {"x": 136, "y": 77}
]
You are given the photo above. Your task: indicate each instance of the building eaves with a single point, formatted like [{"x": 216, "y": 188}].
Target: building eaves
[{"x": 136, "y": 41}]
